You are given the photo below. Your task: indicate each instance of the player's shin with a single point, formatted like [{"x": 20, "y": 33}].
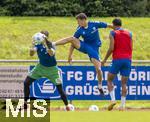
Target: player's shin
[
  {"x": 99, "y": 76},
  {"x": 123, "y": 96},
  {"x": 124, "y": 92},
  {"x": 28, "y": 81},
  {"x": 62, "y": 94},
  {"x": 123, "y": 101},
  {"x": 64, "y": 97},
  {"x": 111, "y": 90},
  {"x": 112, "y": 95}
]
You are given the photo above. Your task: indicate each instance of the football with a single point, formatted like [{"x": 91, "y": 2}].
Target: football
[
  {"x": 71, "y": 107},
  {"x": 38, "y": 38},
  {"x": 93, "y": 108}
]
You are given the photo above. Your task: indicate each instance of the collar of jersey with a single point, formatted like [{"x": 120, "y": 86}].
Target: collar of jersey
[
  {"x": 86, "y": 26},
  {"x": 119, "y": 28}
]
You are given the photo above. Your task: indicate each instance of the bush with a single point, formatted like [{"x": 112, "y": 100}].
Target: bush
[{"x": 72, "y": 7}]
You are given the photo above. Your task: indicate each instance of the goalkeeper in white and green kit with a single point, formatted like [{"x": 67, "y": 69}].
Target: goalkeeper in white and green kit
[{"x": 47, "y": 66}]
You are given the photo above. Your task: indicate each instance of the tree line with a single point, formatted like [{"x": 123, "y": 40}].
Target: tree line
[{"x": 105, "y": 8}]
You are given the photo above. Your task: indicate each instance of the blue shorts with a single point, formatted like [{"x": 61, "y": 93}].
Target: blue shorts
[
  {"x": 92, "y": 51},
  {"x": 122, "y": 66}
]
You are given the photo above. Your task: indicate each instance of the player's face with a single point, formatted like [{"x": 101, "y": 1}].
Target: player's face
[{"x": 82, "y": 23}]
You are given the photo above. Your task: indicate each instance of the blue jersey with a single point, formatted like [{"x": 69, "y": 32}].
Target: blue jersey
[
  {"x": 44, "y": 58},
  {"x": 90, "y": 34}
]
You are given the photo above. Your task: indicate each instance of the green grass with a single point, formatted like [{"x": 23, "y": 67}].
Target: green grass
[
  {"x": 104, "y": 116},
  {"x": 16, "y": 33},
  {"x": 101, "y": 104},
  {"x": 87, "y": 116}
]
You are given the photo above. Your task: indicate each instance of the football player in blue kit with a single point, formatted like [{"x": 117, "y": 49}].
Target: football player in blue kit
[{"x": 90, "y": 44}]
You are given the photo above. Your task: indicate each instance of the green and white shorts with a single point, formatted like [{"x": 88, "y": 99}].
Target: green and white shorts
[{"x": 52, "y": 73}]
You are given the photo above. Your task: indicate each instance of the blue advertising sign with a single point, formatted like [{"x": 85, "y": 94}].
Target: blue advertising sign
[{"x": 80, "y": 83}]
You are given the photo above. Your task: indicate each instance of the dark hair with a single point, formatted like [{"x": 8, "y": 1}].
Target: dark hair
[
  {"x": 45, "y": 32},
  {"x": 81, "y": 16},
  {"x": 117, "y": 22}
]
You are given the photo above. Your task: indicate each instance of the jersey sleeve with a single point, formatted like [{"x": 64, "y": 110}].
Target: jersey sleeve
[
  {"x": 77, "y": 33},
  {"x": 100, "y": 24},
  {"x": 130, "y": 34},
  {"x": 36, "y": 47},
  {"x": 112, "y": 33}
]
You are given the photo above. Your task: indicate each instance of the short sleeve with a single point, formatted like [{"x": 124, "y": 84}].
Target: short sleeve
[
  {"x": 100, "y": 24},
  {"x": 130, "y": 34},
  {"x": 36, "y": 47},
  {"x": 77, "y": 33},
  {"x": 112, "y": 33}
]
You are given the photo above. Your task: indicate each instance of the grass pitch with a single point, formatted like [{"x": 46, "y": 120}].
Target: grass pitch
[
  {"x": 102, "y": 104},
  {"x": 136, "y": 113},
  {"x": 16, "y": 34},
  {"x": 80, "y": 115},
  {"x": 102, "y": 116}
]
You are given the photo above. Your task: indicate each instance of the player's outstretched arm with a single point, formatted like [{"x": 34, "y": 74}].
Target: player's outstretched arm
[
  {"x": 110, "y": 49},
  {"x": 110, "y": 26},
  {"x": 103, "y": 25},
  {"x": 70, "y": 54}
]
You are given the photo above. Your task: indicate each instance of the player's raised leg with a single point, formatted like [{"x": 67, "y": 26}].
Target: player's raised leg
[
  {"x": 111, "y": 90},
  {"x": 97, "y": 65},
  {"x": 74, "y": 41}
]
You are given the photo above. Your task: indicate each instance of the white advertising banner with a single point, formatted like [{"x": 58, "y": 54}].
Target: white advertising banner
[{"x": 11, "y": 81}]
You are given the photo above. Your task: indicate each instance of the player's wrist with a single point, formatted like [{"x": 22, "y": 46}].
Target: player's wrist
[{"x": 51, "y": 51}]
